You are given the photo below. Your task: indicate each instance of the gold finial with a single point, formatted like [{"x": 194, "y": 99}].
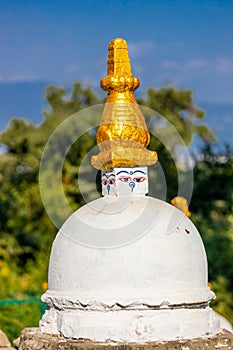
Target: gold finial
[
  {"x": 182, "y": 204},
  {"x": 122, "y": 136}
]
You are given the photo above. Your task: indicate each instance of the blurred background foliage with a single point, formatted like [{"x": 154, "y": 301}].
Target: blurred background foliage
[{"x": 26, "y": 232}]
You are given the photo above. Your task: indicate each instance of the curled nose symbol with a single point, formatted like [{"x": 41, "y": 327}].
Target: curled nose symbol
[{"x": 132, "y": 185}]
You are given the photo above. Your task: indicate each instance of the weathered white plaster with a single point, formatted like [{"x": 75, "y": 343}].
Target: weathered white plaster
[
  {"x": 49, "y": 324},
  {"x": 137, "y": 326},
  {"x": 224, "y": 323},
  {"x": 129, "y": 269}
]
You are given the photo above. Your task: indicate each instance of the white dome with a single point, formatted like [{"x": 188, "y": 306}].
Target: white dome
[
  {"x": 120, "y": 265},
  {"x": 153, "y": 254}
]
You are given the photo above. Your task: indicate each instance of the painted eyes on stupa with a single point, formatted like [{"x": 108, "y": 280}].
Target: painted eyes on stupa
[
  {"x": 125, "y": 179},
  {"x": 130, "y": 179},
  {"x": 106, "y": 182},
  {"x": 139, "y": 179}
]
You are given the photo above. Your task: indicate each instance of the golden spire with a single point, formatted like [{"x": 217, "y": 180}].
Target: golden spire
[{"x": 122, "y": 135}]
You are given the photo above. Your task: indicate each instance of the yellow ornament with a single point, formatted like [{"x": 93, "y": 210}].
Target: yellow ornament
[{"x": 182, "y": 204}]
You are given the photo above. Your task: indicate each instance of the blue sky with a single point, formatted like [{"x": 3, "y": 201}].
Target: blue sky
[{"x": 186, "y": 43}]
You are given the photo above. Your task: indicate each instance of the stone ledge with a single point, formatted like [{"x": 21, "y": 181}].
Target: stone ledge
[
  {"x": 32, "y": 339},
  {"x": 4, "y": 342}
]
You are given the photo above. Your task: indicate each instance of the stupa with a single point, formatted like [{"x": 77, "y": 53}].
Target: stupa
[{"x": 127, "y": 267}]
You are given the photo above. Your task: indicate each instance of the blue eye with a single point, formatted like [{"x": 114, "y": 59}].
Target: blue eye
[
  {"x": 139, "y": 179},
  {"x": 125, "y": 179}
]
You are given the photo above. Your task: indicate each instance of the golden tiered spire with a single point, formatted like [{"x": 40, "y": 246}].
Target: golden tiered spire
[{"x": 122, "y": 135}]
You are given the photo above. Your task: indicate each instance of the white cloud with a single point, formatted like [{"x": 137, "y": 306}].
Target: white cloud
[
  {"x": 191, "y": 64},
  {"x": 138, "y": 69},
  {"x": 220, "y": 65},
  {"x": 196, "y": 63},
  {"x": 72, "y": 68},
  {"x": 224, "y": 65},
  {"x": 227, "y": 118},
  {"x": 141, "y": 48},
  {"x": 173, "y": 65},
  {"x": 19, "y": 78},
  {"x": 211, "y": 79}
]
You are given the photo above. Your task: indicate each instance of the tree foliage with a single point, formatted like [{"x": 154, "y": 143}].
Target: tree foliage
[
  {"x": 212, "y": 205},
  {"x": 178, "y": 108}
]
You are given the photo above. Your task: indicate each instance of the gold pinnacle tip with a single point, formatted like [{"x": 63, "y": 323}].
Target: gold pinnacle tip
[
  {"x": 119, "y": 75},
  {"x": 122, "y": 135},
  {"x": 118, "y": 58}
]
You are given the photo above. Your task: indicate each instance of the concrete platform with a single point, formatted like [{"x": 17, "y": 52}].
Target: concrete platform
[{"x": 32, "y": 339}]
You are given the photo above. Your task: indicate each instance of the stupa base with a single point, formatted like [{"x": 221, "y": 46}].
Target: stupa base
[
  {"x": 131, "y": 325},
  {"x": 32, "y": 339}
]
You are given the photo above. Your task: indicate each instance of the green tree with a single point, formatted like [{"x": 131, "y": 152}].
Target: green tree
[
  {"x": 174, "y": 108},
  {"x": 211, "y": 208},
  {"x": 178, "y": 107},
  {"x": 26, "y": 232}
]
